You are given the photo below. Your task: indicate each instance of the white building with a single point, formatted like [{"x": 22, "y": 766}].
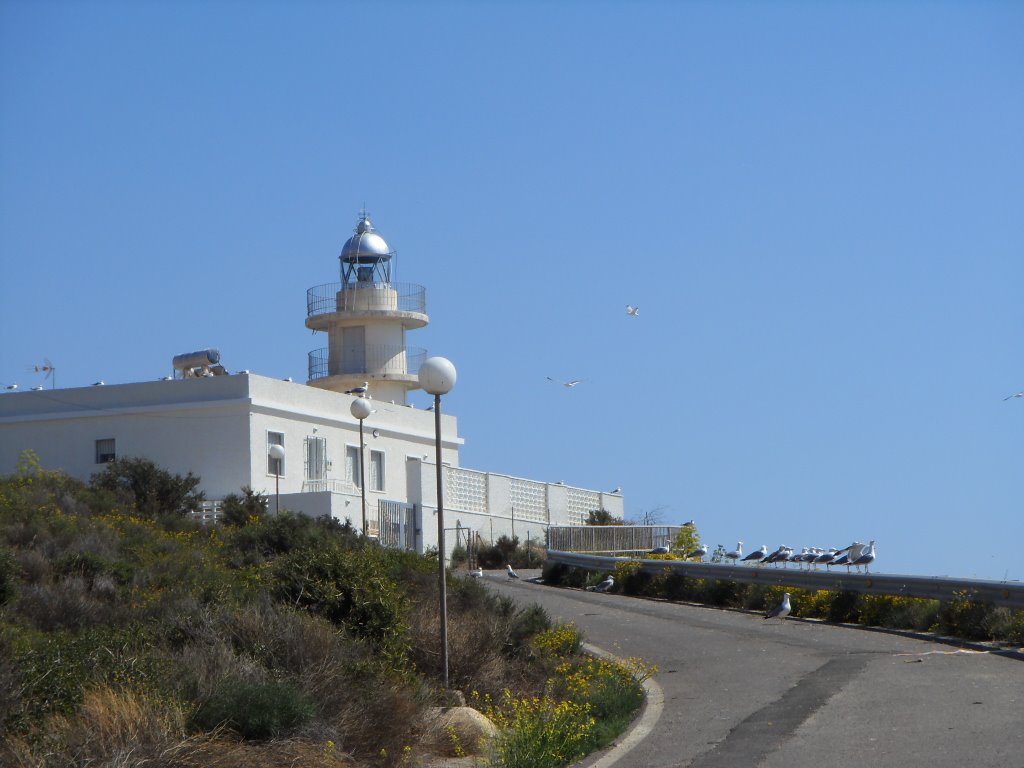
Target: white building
[{"x": 221, "y": 426}]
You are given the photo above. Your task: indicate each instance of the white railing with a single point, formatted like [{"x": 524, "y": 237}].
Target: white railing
[
  {"x": 466, "y": 489},
  {"x": 330, "y": 484},
  {"x": 529, "y": 500}
]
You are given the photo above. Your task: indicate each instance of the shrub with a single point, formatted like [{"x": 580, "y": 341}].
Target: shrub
[
  {"x": 9, "y": 575},
  {"x": 241, "y": 510},
  {"x": 256, "y": 710},
  {"x": 964, "y": 618},
  {"x": 347, "y": 588},
  {"x": 153, "y": 491},
  {"x": 540, "y": 732}
]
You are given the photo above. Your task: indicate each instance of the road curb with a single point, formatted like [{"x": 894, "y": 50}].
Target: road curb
[{"x": 641, "y": 728}]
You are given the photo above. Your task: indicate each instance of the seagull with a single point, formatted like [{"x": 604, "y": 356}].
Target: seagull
[
  {"x": 1019, "y": 394},
  {"x": 632, "y": 311},
  {"x": 780, "y": 611},
  {"x": 616, "y": 489},
  {"x": 736, "y": 554},
  {"x": 760, "y": 554},
  {"x": 826, "y": 557},
  {"x": 659, "y": 551},
  {"x": 36, "y": 388},
  {"x": 511, "y": 574},
  {"x": 359, "y": 390},
  {"x": 478, "y": 573},
  {"x": 570, "y": 384},
  {"x": 866, "y": 558},
  {"x": 99, "y": 383},
  {"x": 604, "y": 586},
  {"x": 11, "y": 387},
  {"x": 699, "y": 552}
]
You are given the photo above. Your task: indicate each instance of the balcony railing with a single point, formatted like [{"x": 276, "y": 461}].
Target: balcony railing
[
  {"x": 351, "y": 297},
  {"x": 369, "y": 359}
]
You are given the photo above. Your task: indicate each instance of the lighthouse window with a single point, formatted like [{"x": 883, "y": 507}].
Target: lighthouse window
[
  {"x": 352, "y": 464},
  {"x": 377, "y": 470},
  {"x": 275, "y": 466},
  {"x": 105, "y": 452}
]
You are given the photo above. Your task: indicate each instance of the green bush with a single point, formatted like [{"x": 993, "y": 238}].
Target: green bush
[
  {"x": 241, "y": 510},
  {"x": 154, "y": 492},
  {"x": 348, "y": 588},
  {"x": 255, "y": 710}
]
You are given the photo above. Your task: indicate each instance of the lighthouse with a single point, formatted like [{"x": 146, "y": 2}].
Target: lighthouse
[{"x": 366, "y": 316}]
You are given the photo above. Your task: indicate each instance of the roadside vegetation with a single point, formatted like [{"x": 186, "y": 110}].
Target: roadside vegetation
[
  {"x": 131, "y": 635},
  {"x": 960, "y": 617}
]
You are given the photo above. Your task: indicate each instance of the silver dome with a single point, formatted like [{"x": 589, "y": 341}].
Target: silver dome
[{"x": 365, "y": 246}]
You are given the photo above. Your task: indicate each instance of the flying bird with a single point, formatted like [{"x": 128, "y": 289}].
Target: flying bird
[
  {"x": 754, "y": 557},
  {"x": 780, "y": 611},
  {"x": 632, "y": 311},
  {"x": 511, "y": 574},
  {"x": 699, "y": 552},
  {"x": 736, "y": 554},
  {"x": 570, "y": 384},
  {"x": 604, "y": 586},
  {"x": 1019, "y": 394},
  {"x": 359, "y": 390}
]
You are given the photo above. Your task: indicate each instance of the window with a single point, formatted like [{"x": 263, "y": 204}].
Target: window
[
  {"x": 105, "y": 452},
  {"x": 377, "y": 470},
  {"x": 352, "y": 473},
  {"x": 316, "y": 458},
  {"x": 275, "y": 466}
]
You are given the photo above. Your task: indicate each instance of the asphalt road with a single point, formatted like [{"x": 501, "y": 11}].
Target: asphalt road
[{"x": 743, "y": 691}]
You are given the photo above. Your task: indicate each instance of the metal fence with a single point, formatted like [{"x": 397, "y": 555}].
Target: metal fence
[
  {"x": 611, "y": 538},
  {"x": 396, "y": 525},
  {"x": 366, "y": 359},
  {"x": 329, "y": 297},
  {"x": 1010, "y": 594}
]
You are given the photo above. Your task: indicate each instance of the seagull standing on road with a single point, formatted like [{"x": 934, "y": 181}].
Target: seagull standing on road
[
  {"x": 736, "y": 554},
  {"x": 780, "y": 611},
  {"x": 604, "y": 586},
  {"x": 511, "y": 574},
  {"x": 754, "y": 557},
  {"x": 478, "y": 573}
]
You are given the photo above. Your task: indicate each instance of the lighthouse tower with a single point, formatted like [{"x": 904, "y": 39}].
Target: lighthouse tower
[{"x": 365, "y": 317}]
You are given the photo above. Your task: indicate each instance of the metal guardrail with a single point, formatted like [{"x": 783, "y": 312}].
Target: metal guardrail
[{"x": 1009, "y": 594}]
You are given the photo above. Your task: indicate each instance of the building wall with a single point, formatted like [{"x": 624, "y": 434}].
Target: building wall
[{"x": 217, "y": 429}]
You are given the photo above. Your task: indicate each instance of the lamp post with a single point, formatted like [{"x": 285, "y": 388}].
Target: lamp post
[
  {"x": 276, "y": 452},
  {"x": 361, "y": 409},
  {"x": 437, "y": 377}
]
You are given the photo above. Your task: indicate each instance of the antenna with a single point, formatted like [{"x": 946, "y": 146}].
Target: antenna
[{"x": 49, "y": 369}]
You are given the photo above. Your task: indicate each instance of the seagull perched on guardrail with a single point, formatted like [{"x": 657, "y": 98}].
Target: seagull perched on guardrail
[
  {"x": 780, "y": 611},
  {"x": 659, "y": 551},
  {"x": 735, "y": 554},
  {"x": 757, "y": 555},
  {"x": 604, "y": 586},
  {"x": 511, "y": 574},
  {"x": 699, "y": 552},
  {"x": 866, "y": 558}
]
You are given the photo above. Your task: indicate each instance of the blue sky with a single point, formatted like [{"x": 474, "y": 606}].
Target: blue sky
[{"x": 817, "y": 207}]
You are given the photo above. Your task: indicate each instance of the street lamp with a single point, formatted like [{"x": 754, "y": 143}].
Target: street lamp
[
  {"x": 276, "y": 452},
  {"x": 361, "y": 409},
  {"x": 437, "y": 377}
]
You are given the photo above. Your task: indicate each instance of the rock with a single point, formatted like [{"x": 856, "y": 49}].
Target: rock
[{"x": 451, "y": 729}]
